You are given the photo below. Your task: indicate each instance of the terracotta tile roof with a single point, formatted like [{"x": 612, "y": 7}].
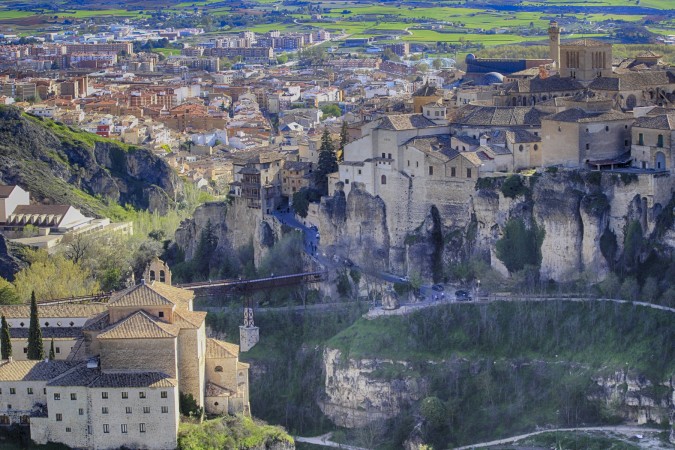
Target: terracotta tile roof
[
  {"x": 659, "y": 122},
  {"x": 632, "y": 81},
  {"x": 95, "y": 378},
  {"x": 62, "y": 311},
  {"x": 98, "y": 322},
  {"x": 243, "y": 365},
  {"x": 405, "y": 122},
  {"x": 140, "y": 325},
  {"x": 221, "y": 349},
  {"x": 214, "y": 390},
  {"x": 499, "y": 116},
  {"x": 581, "y": 116},
  {"x": 189, "y": 319},
  {"x": 152, "y": 294},
  {"x": 34, "y": 370},
  {"x": 550, "y": 84}
]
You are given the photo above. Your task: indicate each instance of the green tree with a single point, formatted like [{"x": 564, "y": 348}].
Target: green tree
[
  {"x": 650, "y": 290},
  {"x": 208, "y": 241},
  {"x": 8, "y": 294},
  {"x": 52, "y": 353},
  {"x": 301, "y": 202},
  {"x": 5, "y": 340},
  {"x": 53, "y": 276},
  {"x": 35, "y": 347},
  {"x": 331, "y": 110},
  {"x": 520, "y": 246},
  {"x": 282, "y": 59},
  {"x": 433, "y": 411},
  {"x": 327, "y": 162},
  {"x": 437, "y": 63}
]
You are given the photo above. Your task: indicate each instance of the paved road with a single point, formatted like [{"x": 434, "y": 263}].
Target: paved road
[
  {"x": 620, "y": 429},
  {"x": 326, "y": 442}
]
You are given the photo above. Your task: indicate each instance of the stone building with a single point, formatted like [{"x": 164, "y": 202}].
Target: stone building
[
  {"x": 126, "y": 365},
  {"x": 653, "y": 140},
  {"x": 585, "y": 59}
]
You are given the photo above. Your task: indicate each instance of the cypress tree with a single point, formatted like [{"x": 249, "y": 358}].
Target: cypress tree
[
  {"x": 52, "y": 354},
  {"x": 4, "y": 340},
  {"x": 35, "y": 347},
  {"x": 327, "y": 162},
  {"x": 344, "y": 138}
]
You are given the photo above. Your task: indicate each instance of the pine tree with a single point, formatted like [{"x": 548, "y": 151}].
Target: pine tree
[
  {"x": 35, "y": 347},
  {"x": 52, "y": 354},
  {"x": 5, "y": 341},
  {"x": 327, "y": 162}
]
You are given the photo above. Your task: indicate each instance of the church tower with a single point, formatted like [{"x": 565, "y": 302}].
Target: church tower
[{"x": 554, "y": 42}]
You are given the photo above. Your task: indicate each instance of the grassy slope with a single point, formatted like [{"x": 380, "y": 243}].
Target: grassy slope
[{"x": 596, "y": 334}]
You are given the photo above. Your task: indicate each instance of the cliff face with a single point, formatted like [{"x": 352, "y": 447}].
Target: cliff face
[
  {"x": 574, "y": 209},
  {"x": 361, "y": 391},
  {"x": 353, "y": 398},
  {"x": 58, "y": 164},
  {"x": 235, "y": 225}
]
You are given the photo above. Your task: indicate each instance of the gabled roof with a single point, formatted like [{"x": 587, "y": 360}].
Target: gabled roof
[
  {"x": 140, "y": 325},
  {"x": 581, "y": 116},
  {"x": 221, "y": 349},
  {"x": 6, "y": 191},
  {"x": 405, "y": 122},
  {"x": 658, "y": 122},
  {"x": 499, "y": 116},
  {"x": 34, "y": 370},
  {"x": 549, "y": 84},
  {"x": 632, "y": 81},
  {"x": 95, "y": 378},
  {"x": 189, "y": 319},
  {"x": 65, "y": 310},
  {"x": 152, "y": 294}
]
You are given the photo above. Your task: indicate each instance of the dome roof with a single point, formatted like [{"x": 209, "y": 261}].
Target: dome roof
[
  {"x": 491, "y": 78},
  {"x": 470, "y": 57}
]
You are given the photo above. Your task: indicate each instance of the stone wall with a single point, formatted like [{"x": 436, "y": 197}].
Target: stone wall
[{"x": 140, "y": 354}]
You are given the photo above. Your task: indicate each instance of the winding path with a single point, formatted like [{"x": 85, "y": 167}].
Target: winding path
[
  {"x": 619, "y": 429},
  {"x": 325, "y": 441}
]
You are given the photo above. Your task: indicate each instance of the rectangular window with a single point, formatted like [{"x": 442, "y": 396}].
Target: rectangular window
[
  {"x": 453, "y": 172},
  {"x": 57, "y": 396},
  {"x": 347, "y": 181},
  {"x": 165, "y": 409},
  {"x": 161, "y": 314},
  {"x": 0, "y": 391},
  {"x": 124, "y": 428},
  {"x": 106, "y": 428},
  {"x": 659, "y": 142},
  {"x": 88, "y": 429},
  {"x": 431, "y": 170},
  {"x": 104, "y": 410},
  {"x": 44, "y": 391},
  {"x": 29, "y": 391},
  {"x": 359, "y": 171},
  {"x": 641, "y": 139},
  {"x": 80, "y": 411},
  {"x": 384, "y": 155},
  {"x": 146, "y": 410},
  {"x": 59, "y": 417},
  {"x": 125, "y": 395},
  {"x": 128, "y": 409},
  {"x": 57, "y": 350},
  {"x": 68, "y": 429},
  {"x": 141, "y": 394},
  {"x": 73, "y": 396},
  {"x": 25, "y": 349},
  {"x": 104, "y": 395},
  {"x": 468, "y": 173},
  {"x": 389, "y": 155},
  {"x": 408, "y": 163},
  {"x": 12, "y": 391},
  {"x": 163, "y": 394},
  {"x": 141, "y": 427}
]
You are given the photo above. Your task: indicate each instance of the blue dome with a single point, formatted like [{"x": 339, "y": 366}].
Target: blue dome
[
  {"x": 470, "y": 57},
  {"x": 491, "y": 78}
]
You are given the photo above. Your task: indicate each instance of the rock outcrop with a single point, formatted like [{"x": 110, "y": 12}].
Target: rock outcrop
[
  {"x": 60, "y": 164},
  {"x": 10, "y": 264},
  {"x": 354, "y": 397},
  {"x": 573, "y": 208}
]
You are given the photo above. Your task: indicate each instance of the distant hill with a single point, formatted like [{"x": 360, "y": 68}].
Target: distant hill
[{"x": 63, "y": 165}]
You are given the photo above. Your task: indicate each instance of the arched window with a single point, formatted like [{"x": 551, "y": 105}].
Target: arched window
[
  {"x": 152, "y": 275},
  {"x": 383, "y": 180},
  {"x": 162, "y": 276},
  {"x": 219, "y": 368}
]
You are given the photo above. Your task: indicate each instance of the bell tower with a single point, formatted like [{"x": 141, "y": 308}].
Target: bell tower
[
  {"x": 554, "y": 42},
  {"x": 249, "y": 334}
]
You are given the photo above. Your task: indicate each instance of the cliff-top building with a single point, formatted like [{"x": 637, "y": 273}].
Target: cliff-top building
[{"x": 120, "y": 383}]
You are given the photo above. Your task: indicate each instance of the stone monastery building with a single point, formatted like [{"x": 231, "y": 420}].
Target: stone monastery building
[{"x": 120, "y": 370}]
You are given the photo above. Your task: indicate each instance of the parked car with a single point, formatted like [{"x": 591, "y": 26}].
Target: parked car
[
  {"x": 462, "y": 295},
  {"x": 438, "y": 287}
]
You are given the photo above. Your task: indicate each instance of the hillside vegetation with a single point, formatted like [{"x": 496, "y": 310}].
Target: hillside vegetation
[{"x": 64, "y": 165}]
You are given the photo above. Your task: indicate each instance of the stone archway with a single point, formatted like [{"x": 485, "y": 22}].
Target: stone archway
[{"x": 660, "y": 161}]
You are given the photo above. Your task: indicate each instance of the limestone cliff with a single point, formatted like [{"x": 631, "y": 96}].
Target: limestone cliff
[
  {"x": 60, "y": 164},
  {"x": 235, "y": 225},
  {"x": 354, "y": 398},
  {"x": 573, "y": 208}
]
